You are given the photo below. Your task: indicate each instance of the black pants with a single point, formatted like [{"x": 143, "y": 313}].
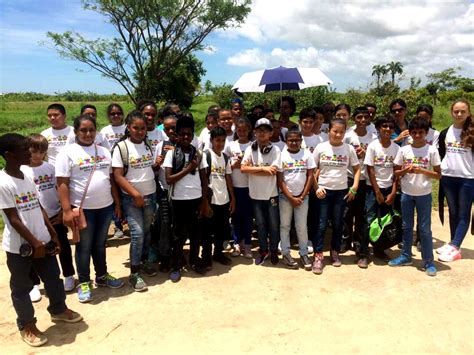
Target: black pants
[
  {"x": 20, "y": 284},
  {"x": 215, "y": 231},
  {"x": 186, "y": 225},
  {"x": 166, "y": 221},
  {"x": 65, "y": 256},
  {"x": 354, "y": 216}
]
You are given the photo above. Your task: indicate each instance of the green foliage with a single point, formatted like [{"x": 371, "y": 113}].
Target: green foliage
[
  {"x": 153, "y": 38},
  {"x": 65, "y": 96}
]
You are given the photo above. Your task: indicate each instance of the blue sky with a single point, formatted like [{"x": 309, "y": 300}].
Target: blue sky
[{"x": 343, "y": 38}]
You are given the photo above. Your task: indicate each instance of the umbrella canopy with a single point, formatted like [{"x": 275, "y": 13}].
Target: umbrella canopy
[{"x": 281, "y": 78}]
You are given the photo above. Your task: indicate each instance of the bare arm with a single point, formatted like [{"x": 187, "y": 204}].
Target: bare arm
[{"x": 64, "y": 199}]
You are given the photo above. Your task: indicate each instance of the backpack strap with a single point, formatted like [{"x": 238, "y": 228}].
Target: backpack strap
[
  {"x": 123, "y": 150},
  {"x": 207, "y": 152}
]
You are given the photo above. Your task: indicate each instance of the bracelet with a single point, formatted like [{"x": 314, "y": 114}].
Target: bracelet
[{"x": 352, "y": 191}]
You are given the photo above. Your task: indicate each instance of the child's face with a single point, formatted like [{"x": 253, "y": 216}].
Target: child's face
[
  {"x": 218, "y": 144},
  {"x": 91, "y": 112},
  {"x": 211, "y": 123},
  {"x": 116, "y": 116},
  {"x": 242, "y": 131},
  {"x": 150, "y": 114},
  {"x": 169, "y": 126},
  {"x": 225, "y": 121},
  {"x": 276, "y": 130},
  {"x": 424, "y": 115},
  {"x": 137, "y": 129},
  {"x": 307, "y": 124},
  {"x": 343, "y": 114},
  {"x": 419, "y": 136},
  {"x": 385, "y": 130},
  {"x": 460, "y": 112},
  {"x": 263, "y": 134},
  {"x": 293, "y": 141},
  {"x": 372, "y": 112},
  {"x": 319, "y": 120},
  {"x": 37, "y": 156},
  {"x": 56, "y": 119},
  {"x": 361, "y": 119},
  {"x": 86, "y": 133},
  {"x": 336, "y": 133},
  {"x": 185, "y": 137},
  {"x": 285, "y": 109},
  {"x": 237, "y": 110},
  {"x": 21, "y": 154},
  {"x": 270, "y": 115},
  {"x": 399, "y": 112}
]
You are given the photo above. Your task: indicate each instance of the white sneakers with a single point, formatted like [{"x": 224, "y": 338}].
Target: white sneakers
[
  {"x": 69, "y": 283},
  {"x": 35, "y": 294},
  {"x": 448, "y": 253}
]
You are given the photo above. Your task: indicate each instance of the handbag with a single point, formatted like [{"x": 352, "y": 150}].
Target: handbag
[
  {"x": 79, "y": 217},
  {"x": 386, "y": 231}
]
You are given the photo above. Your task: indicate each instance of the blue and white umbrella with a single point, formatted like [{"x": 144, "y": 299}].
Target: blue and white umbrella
[{"x": 281, "y": 78}]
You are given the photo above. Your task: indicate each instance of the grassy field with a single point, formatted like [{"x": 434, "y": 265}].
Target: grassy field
[{"x": 30, "y": 117}]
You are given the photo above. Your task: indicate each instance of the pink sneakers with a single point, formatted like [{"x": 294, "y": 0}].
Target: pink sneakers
[{"x": 449, "y": 253}]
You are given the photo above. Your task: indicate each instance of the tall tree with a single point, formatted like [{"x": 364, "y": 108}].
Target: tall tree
[
  {"x": 153, "y": 37},
  {"x": 394, "y": 68},
  {"x": 379, "y": 71}
]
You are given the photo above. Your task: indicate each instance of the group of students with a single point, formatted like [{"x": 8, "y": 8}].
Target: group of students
[{"x": 170, "y": 185}]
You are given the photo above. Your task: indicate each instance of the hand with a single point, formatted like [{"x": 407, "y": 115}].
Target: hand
[
  {"x": 139, "y": 201},
  {"x": 168, "y": 147},
  {"x": 204, "y": 209},
  {"x": 379, "y": 197},
  {"x": 193, "y": 164},
  {"x": 232, "y": 206},
  {"x": 321, "y": 193},
  {"x": 349, "y": 196},
  {"x": 68, "y": 219},
  {"x": 118, "y": 211},
  {"x": 416, "y": 170},
  {"x": 159, "y": 160},
  {"x": 237, "y": 163},
  {"x": 295, "y": 201},
  {"x": 58, "y": 219},
  {"x": 404, "y": 134},
  {"x": 390, "y": 199},
  {"x": 271, "y": 170},
  {"x": 406, "y": 169},
  {"x": 57, "y": 248},
  {"x": 360, "y": 152},
  {"x": 39, "y": 250}
]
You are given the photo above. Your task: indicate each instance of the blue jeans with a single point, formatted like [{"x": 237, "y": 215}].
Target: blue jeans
[
  {"x": 460, "y": 195},
  {"x": 333, "y": 204},
  {"x": 423, "y": 222},
  {"x": 92, "y": 243},
  {"x": 267, "y": 217},
  {"x": 139, "y": 220},
  {"x": 242, "y": 217},
  {"x": 301, "y": 218}
]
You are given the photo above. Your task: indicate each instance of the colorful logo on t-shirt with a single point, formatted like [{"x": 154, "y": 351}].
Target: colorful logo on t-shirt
[
  {"x": 333, "y": 160},
  {"x": 44, "y": 182},
  {"x": 143, "y": 161},
  {"x": 57, "y": 141},
  {"x": 153, "y": 143},
  {"x": 455, "y": 147},
  {"x": 218, "y": 171},
  {"x": 294, "y": 166},
  {"x": 27, "y": 201},
  {"x": 113, "y": 138},
  {"x": 384, "y": 161},
  {"x": 88, "y": 163},
  {"x": 422, "y": 162}
]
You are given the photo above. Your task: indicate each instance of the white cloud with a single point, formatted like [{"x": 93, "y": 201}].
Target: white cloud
[
  {"x": 346, "y": 38},
  {"x": 210, "y": 49}
]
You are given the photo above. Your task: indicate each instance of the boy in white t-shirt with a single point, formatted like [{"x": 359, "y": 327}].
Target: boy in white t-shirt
[
  {"x": 359, "y": 138},
  {"x": 185, "y": 171},
  {"x": 226, "y": 121},
  {"x": 44, "y": 177},
  {"x": 57, "y": 135},
  {"x": 261, "y": 162},
  {"x": 413, "y": 165},
  {"x": 222, "y": 201},
  {"x": 307, "y": 121},
  {"x": 29, "y": 241},
  {"x": 278, "y": 134},
  {"x": 382, "y": 185},
  {"x": 295, "y": 180},
  {"x": 204, "y": 136}
]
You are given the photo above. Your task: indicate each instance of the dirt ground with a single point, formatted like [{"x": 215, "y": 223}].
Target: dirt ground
[{"x": 266, "y": 309}]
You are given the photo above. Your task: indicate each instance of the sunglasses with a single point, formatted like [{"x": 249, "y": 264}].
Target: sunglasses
[
  {"x": 387, "y": 125},
  {"x": 116, "y": 114},
  {"x": 398, "y": 110}
]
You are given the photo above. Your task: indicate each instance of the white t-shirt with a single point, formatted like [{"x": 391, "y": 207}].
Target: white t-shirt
[
  {"x": 99, "y": 140},
  {"x": 45, "y": 180},
  {"x": 382, "y": 160},
  {"x": 189, "y": 187},
  {"x": 333, "y": 163},
  {"x": 161, "y": 171},
  {"x": 217, "y": 182},
  {"x": 295, "y": 167},
  {"x": 363, "y": 142},
  {"x": 312, "y": 141},
  {"x": 280, "y": 144},
  {"x": 235, "y": 150},
  {"x": 76, "y": 162},
  {"x": 22, "y": 195},
  {"x": 458, "y": 161},
  {"x": 432, "y": 138},
  {"x": 140, "y": 172},
  {"x": 204, "y": 133},
  {"x": 113, "y": 133},
  {"x": 57, "y": 140},
  {"x": 262, "y": 187},
  {"x": 324, "y": 128},
  {"x": 425, "y": 157},
  {"x": 370, "y": 129},
  {"x": 154, "y": 138}
]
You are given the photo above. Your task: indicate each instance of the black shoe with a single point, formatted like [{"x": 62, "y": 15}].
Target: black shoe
[
  {"x": 380, "y": 254},
  {"x": 148, "y": 269},
  {"x": 164, "y": 266},
  {"x": 274, "y": 257},
  {"x": 345, "y": 246},
  {"x": 198, "y": 269},
  {"x": 222, "y": 259},
  {"x": 207, "y": 264},
  {"x": 356, "y": 247}
]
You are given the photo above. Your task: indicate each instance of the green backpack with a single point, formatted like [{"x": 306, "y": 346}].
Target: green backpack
[{"x": 386, "y": 231}]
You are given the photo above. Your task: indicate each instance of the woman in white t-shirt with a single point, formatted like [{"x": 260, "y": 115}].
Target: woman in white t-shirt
[
  {"x": 333, "y": 158},
  {"x": 76, "y": 165},
  {"x": 456, "y": 146},
  {"x": 116, "y": 129},
  {"x": 132, "y": 163},
  {"x": 242, "y": 217}
]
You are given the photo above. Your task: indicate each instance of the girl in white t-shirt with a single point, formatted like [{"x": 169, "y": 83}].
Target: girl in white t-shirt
[
  {"x": 457, "y": 181},
  {"x": 75, "y": 166},
  {"x": 242, "y": 217},
  {"x": 333, "y": 158},
  {"x": 295, "y": 180},
  {"x": 132, "y": 163}
]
